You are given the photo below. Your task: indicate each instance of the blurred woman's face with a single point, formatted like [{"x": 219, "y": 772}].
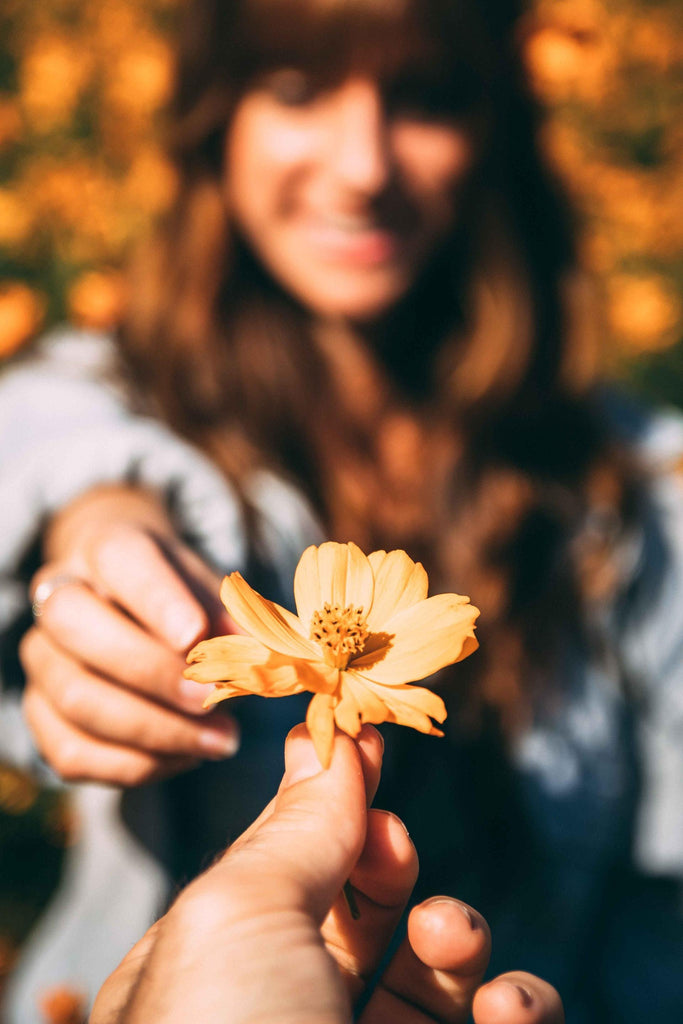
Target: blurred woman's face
[{"x": 344, "y": 192}]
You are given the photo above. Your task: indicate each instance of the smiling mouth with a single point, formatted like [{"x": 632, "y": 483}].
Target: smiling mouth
[{"x": 354, "y": 239}]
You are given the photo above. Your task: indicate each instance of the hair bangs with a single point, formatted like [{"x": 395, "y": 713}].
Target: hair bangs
[{"x": 330, "y": 38}]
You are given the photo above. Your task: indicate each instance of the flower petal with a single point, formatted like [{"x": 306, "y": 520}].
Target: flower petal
[
  {"x": 282, "y": 679},
  {"x": 224, "y": 658},
  {"x": 358, "y": 704},
  {"x": 224, "y": 692},
  {"x": 421, "y": 640},
  {"x": 249, "y": 667},
  {"x": 320, "y": 723},
  {"x": 399, "y": 583},
  {"x": 338, "y": 573},
  {"x": 316, "y": 676},
  {"x": 274, "y": 626},
  {"x": 407, "y": 705},
  {"x": 347, "y": 713}
]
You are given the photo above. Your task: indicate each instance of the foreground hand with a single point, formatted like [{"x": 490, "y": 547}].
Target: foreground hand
[
  {"x": 264, "y": 935},
  {"x": 105, "y": 694}
]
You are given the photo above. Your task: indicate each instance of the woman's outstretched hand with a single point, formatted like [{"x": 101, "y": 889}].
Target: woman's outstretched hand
[
  {"x": 264, "y": 935},
  {"x": 119, "y": 602}
]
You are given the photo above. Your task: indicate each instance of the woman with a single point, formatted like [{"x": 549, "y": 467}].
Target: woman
[{"x": 368, "y": 286}]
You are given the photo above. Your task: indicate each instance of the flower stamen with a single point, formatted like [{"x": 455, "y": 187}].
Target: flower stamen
[{"x": 341, "y": 632}]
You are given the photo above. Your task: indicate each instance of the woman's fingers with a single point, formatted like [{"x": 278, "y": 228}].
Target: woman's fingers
[
  {"x": 78, "y": 757},
  {"x": 105, "y": 662},
  {"x": 129, "y": 565},
  {"x": 205, "y": 584},
  {"x": 96, "y": 633},
  {"x": 370, "y": 746},
  {"x": 517, "y": 998},
  {"x": 382, "y": 881},
  {"x": 109, "y": 712},
  {"x": 437, "y": 969}
]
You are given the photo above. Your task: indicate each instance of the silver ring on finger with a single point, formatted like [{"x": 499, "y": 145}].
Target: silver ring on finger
[{"x": 47, "y": 588}]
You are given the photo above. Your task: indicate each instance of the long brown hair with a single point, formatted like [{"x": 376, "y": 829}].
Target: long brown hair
[{"x": 471, "y": 437}]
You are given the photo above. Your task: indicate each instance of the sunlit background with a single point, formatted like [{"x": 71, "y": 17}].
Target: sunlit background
[{"x": 82, "y": 175}]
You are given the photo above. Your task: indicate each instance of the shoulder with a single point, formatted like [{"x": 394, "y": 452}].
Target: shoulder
[
  {"x": 650, "y": 607},
  {"x": 65, "y": 373},
  {"x": 652, "y": 439},
  {"x": 67, "y": 424},
  {"x": 66, "y": 350},
  {"x": 649, "y": 623},
  {"x": 653, "y": 434}
]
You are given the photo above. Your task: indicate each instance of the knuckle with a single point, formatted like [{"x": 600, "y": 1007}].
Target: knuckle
[
  {"x": 117, "y": 541},
  {"x": 247, "y": 889},
  {"x": 182, "y": 738},
  {"x": 202, "y": 908},
  {"x": 27, "y": 648},
  {"x": 71, "y": 699},
  {"x": 135, "y": 773},
  {"x": 46, "y": 572},
  {"x": 28, "y": 711},
  {"x": 66, "y": 759},
  {"x": 61, "y": 609},
  {"x": 166, "y": 736},
  {"x": 141, "y": 734}
]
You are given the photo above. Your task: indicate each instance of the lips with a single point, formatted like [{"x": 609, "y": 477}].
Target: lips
[{"x": 351, "y": 239}]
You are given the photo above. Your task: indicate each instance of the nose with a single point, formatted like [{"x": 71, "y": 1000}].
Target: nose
[{"x": 360, "y": 139}]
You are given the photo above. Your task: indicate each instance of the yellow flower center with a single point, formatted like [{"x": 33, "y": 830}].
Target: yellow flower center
[{"x": 341, "y": 632}]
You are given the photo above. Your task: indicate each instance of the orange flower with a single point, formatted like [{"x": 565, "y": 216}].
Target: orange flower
[{"x": 365, "y": 629}]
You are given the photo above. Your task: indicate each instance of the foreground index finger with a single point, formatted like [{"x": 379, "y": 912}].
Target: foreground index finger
[{"x": 382, "y": 881}]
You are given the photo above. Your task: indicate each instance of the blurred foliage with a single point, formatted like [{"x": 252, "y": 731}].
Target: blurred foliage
[
  {"x": 81, "y": 170},
  {"x": 610, "y": 73}
]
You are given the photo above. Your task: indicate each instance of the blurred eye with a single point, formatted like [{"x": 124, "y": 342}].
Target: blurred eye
[{"x": 290, "y": 87}]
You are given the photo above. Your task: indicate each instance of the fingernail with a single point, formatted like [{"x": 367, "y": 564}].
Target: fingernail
[
  {"x": 525, "y": 995},
  {"x": 193, "y": 694},
  {"x": 468, "y": 915},
  {"x": 301, "y": 760},
  {"x": 219, "y": 744},
  {"x": 464, "y": 910},
  {"x": 182, "y": 626},
  {"x": 369, "y": 731},
  {"x": 394, "y": 817}
]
